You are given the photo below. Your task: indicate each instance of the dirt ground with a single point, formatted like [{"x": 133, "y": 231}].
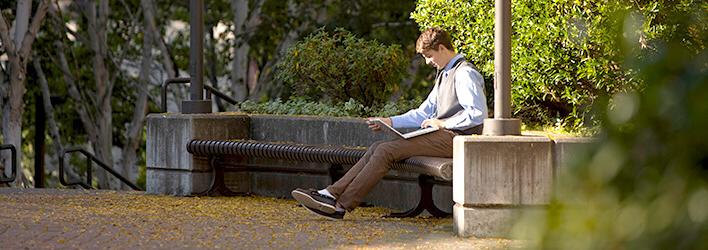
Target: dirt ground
[{"x": 89, "y": 219}]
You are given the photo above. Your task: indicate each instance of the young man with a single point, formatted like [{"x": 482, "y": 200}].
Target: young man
[{"x": 457, "y": 105}]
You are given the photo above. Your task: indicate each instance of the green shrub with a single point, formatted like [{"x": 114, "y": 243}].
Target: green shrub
[
  {"x": 351, "y": 108},
  {"x": 563, "y": 52},
  {"x": 338, "y": 67},
  {"x": 645, "y": 184}
]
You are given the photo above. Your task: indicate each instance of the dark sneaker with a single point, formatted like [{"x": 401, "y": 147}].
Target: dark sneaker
[
  {"x": 330, "y": 216},
  {"x": 312, "y": 199}
]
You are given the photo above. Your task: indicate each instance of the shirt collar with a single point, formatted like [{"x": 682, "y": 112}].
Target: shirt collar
[{"x": 452, "y": 62}]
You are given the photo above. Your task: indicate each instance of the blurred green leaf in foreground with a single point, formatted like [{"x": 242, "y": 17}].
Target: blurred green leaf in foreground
[{"x": 644, "y": 185}]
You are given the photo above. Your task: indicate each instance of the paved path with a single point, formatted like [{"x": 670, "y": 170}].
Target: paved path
[{"x": 71, "y": 218}]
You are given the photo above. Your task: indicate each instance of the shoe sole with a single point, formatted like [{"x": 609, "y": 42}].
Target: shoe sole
[
  {"x": 321, "y": 215},
  {"x": 308, "y": 201}
]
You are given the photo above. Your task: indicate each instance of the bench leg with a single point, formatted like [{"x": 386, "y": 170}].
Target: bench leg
[
  {"x": 426, "y": 201},
  {"x": 218, "y": 186},
  {"x": 335, "y": 171}
]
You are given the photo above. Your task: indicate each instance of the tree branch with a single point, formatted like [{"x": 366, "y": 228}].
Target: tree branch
[
  {"x": 49, "y": 113},
  {"x": 34, "y": 28},
  {"x": 135, "y": 126},
  {"x": 167, "y": 58},
  {"x": 7, "y": 42},
  {"x": 76, "y": 35},
  {"x": 84, "y": 115}
]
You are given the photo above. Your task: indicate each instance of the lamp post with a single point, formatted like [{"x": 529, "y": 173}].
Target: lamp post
[
  {"x": 502, "y": 123},
  {"x": 196, "y": 102}
]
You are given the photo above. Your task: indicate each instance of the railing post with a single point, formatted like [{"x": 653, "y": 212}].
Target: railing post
[
  {"x": 13, "y": 153},
  {"x": 89, "y": 159},
  {"x": 89, "y": 174}
]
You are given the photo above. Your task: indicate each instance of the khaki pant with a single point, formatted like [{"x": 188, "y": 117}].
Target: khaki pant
[{"x": 371, "y": 168}]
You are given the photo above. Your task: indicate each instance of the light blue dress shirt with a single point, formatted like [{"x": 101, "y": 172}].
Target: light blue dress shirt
[{"x": 469, "y": 85}]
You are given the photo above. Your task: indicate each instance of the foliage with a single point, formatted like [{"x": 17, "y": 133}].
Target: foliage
[
  {"x": 645, "y": 184},
  {"x": 564, "y": 53},
  {"x": 339, "y": 66},
  {"x": 351, "y": 108}
]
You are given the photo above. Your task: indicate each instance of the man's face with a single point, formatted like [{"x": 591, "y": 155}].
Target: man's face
[{"x": 434, "y": 58}]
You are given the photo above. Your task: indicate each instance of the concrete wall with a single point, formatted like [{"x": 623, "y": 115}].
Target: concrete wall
[{"x": 172, "y": 170}]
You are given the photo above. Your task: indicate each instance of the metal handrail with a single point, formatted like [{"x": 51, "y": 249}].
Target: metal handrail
[
  {"x": 14, "y": 163},
  {"x": 183, "y": 80},
  {"x": 89, "y": 158}
]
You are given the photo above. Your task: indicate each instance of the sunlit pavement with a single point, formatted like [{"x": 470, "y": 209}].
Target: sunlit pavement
[{"x": 70, "y": 218}]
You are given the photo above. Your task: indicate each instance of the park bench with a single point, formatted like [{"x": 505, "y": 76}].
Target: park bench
[{"x": 223, "y": 155}]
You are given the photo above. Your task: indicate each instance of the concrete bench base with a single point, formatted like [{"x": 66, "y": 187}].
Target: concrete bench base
[
  {"x": 495, "y": 178},
  {"x": 482, "y": 222}
]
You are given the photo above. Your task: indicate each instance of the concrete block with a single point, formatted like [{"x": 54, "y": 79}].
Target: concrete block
[
  {"x": 280, "y": 185},
  {"x": 566, "y": 151},
  {"x": 401, "y": 196},
  {"x": 180, "y": 183},
  {"x": 173, "y": 170},
  {"x": 168, "y": 135},
  {"x": 483, "y": 222},
  {"x": 239, "y": 182},
  {"x": 502, "y": 170}
]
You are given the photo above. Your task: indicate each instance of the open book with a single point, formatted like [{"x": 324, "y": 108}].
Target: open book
[{"x": 412, "y": 134}]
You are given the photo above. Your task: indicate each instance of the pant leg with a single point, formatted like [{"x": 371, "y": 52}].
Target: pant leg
[
  {"x": 437, "y": 144},
  {"x": 340, "y": 185}
]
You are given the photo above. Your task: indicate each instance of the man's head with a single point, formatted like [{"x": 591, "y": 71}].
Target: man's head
[{"x": 436, "y": 47}]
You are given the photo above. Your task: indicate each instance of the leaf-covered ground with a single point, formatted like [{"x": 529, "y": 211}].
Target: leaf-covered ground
[{"x": 56, "y": 218}]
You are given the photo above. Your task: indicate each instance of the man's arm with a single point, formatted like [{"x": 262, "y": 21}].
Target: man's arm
[{"x": 469, "y": 86}]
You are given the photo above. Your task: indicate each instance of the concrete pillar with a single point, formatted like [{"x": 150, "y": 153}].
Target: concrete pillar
[
  {"x": 494, "y": 177},
  {"x": 173, "y": 170}
]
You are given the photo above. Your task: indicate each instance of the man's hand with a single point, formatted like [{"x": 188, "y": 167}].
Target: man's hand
[
  {"x": 435, "y": 123},
  {"x": 374, "y": 126}
]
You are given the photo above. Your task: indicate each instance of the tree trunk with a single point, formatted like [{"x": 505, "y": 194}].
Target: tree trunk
[
  {"x": 135, "y": 128},
  {"x": 18, "y": 52},
  {"x": 167, "y": 59},
  {"x": 12, "y": 119},
  {"x": 24, "y": 9},
  {"x": 102, "y": 144},
  {"x": 211, "y": 64},
  {"x": 49, "y": 113},
  {"x": 265, "y": 76},
  {"x": 244, "y": 21}
]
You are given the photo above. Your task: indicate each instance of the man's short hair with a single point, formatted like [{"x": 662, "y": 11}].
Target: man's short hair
[{"x": 431, "y": 39}]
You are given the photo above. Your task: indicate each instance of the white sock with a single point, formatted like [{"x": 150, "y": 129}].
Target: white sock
[
  {"x": 326, "y": 193},
  {"x": 339, "y": 209}
]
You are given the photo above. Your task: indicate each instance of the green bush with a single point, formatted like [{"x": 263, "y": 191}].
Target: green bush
[
  {"x": 351, "y": 108},
  {"x": 564, "y": 54},
  {"x": 338, "y": 67},
  {"x": 645, "y": 184}
]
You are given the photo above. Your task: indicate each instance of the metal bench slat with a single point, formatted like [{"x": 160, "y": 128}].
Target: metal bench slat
[{"x": 432, "y": 166}]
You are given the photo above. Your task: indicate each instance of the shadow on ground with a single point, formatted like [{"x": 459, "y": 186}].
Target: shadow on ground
[{"x": 63, "y": 218}]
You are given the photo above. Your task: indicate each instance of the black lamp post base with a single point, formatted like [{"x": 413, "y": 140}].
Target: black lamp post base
[
  {"x": 196, "y": 106},
  {"x": 502, "y": 126}
]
